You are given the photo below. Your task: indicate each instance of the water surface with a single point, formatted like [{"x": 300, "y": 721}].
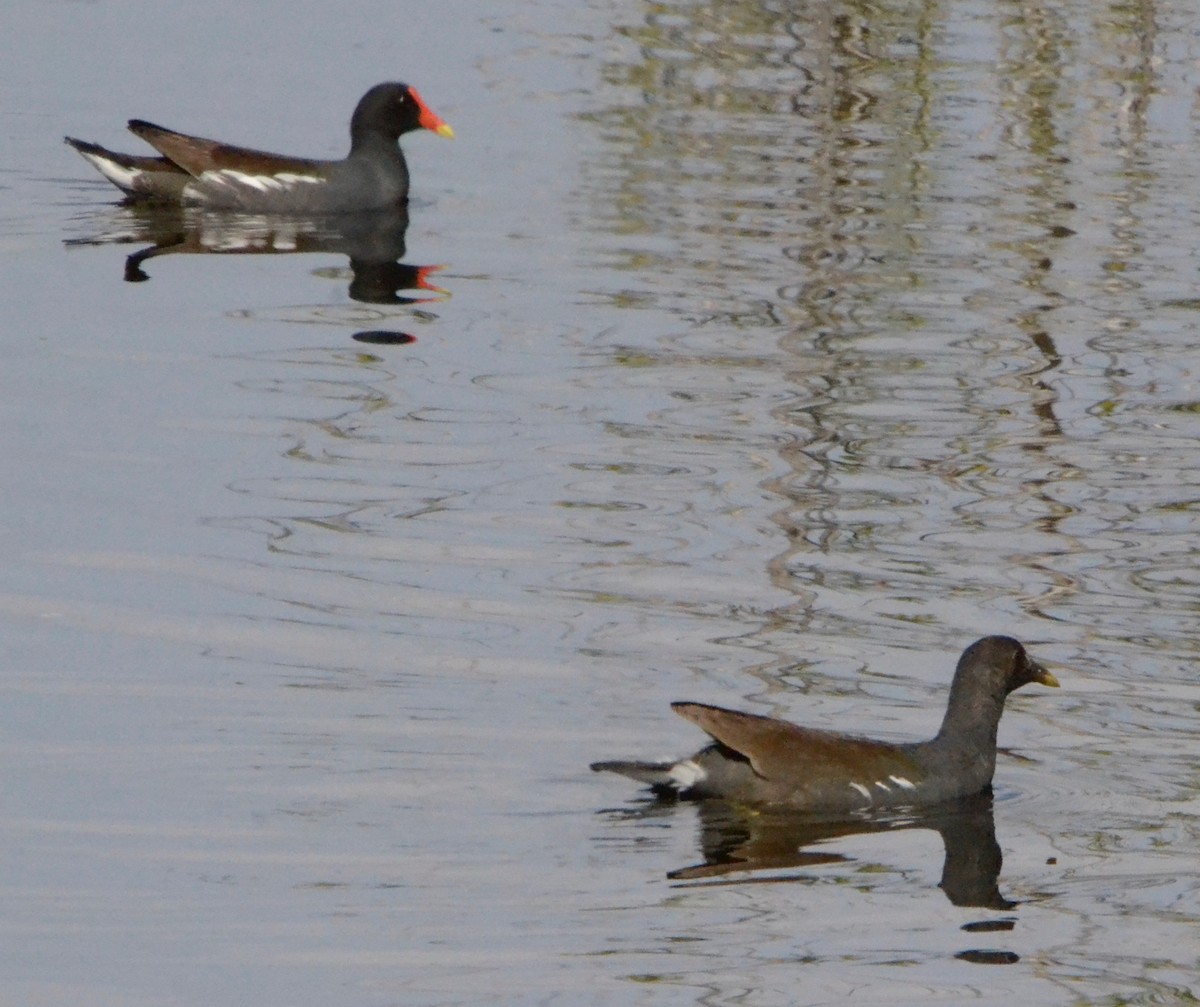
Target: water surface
[{"x": 776, "y": 356}]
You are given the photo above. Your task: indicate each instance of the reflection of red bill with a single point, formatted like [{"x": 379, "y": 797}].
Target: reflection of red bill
[{"x": 423, "y": 274}]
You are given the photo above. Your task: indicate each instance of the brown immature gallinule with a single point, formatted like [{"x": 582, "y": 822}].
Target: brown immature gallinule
[
  {"x": 208, "y": 173},
  {"x": 761, "y": 760}
]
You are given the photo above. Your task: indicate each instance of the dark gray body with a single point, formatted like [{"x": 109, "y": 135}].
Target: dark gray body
[{"x": 197, "y": 171}]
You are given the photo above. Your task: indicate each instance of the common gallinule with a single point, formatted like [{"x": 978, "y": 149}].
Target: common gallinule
[
  {"x": 208, "y": 173},
  {"x": 761, "y": 760}
]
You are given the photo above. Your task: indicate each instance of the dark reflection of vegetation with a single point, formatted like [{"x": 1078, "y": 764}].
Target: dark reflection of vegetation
[
  {"x": 832, "y": 175},
  {"x": 772, "y": 112}
]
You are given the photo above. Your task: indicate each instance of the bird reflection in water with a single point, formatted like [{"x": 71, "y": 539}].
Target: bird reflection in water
[
  {"x": 738, "y": 840},
  {"x": 374, "y": 243}
]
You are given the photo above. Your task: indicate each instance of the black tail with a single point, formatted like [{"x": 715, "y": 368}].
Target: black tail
[
  {"x": 84, "y": 147},
  {"x": 655, "y": 774}
]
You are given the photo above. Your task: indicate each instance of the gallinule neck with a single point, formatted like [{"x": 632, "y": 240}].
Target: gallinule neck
[
  {"x": 761, "y": 760},
  {"x": 193, "y": 170}
]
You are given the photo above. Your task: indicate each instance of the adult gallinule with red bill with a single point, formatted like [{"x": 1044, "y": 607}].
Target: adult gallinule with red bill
[
  {"x": 193, "y": 170},
  {"x": 761, "y": 760}
]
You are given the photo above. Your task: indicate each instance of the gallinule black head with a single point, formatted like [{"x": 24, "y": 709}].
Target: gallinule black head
[
  {"x": 208, "y": 173},
  {"x": 761, "y": 760}
]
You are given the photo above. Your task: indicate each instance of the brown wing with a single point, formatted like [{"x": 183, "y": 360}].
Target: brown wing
[
  {"x": 778, "y": 750},
  {"x": 196, "y": 155}
]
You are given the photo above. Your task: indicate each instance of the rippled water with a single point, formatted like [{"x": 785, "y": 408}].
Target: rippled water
[{"x": 776, "y": 355}]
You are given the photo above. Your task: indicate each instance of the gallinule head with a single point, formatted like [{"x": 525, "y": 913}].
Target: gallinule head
[
  {"x": 761, "y": 760},
  {"x": 193, "y": 170}
]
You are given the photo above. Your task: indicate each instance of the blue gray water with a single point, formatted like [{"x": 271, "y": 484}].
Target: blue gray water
[{"x": 775, "y": 355}]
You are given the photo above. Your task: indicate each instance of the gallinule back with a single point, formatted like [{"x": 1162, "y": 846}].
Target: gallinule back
[
  {"x": 193, "y": 170},
  {"x": 761, "y": 760}
]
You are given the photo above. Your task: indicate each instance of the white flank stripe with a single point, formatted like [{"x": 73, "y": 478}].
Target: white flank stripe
[
  {"x": 883, "y": 786},
  {"x": 862, "y": 790},
  {"x": 901, "y": 782},
  {"x": 288, "y": 179},
  {"x": 263, "y": 183},
  {"x": 119, "y": 175}
]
